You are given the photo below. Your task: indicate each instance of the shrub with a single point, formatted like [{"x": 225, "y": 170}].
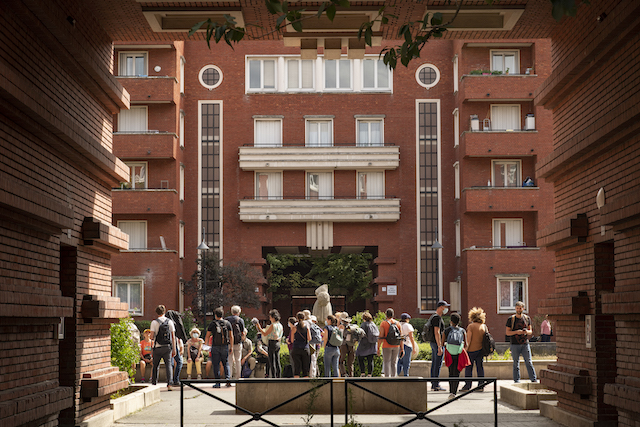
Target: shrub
[
  {"x": 124, "y": 351},
  {"x": 142, "y": 325}
]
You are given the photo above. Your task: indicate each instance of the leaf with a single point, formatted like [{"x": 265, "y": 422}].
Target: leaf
[
  {"x": 279, "y": 20},
  {"x": 331, "y": 12},
  {"x": 367, "y": 36},
  {"x": 345, "y": 3},
  {"x": 196, "y": 27},
  {"x": 436, "y": 19},
  {"x": 321, "y": 9},
  {"x": 384, "y": 20},
  {"x": 297, "y": 25}
]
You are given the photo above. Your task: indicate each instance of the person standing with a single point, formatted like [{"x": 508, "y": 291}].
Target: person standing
[
  {"x": 347, "y": 349},
  {"x": 315, "y": 344},
  {"x": 409, "y": 343},
  {"x": 390, "y": 352},
  {"x": 273, "y": 334},
  {"x": 455, "y": 342},
  {"x": 163, "y": 334},
  {"x": 221, "y": 345},
  {"x": 519, "y": 329},
  {"x": 545, "y": 330},
  {"x": 178, "y": 360},
  {"x": 331, "y": 352},
  {"x": 475, "y": 336},
  {"x": 237, "y": 328},
  {"x": 300, "y": 336},
  {"x": 434, "y": 329},
  {"x": 368, "y": 345}
]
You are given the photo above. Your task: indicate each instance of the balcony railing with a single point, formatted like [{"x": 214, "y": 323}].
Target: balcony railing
[
  {"x": 493, "y": 144},
  {"x": 500, "y": 199},
  {"x": 290, "y": 157},
  {"x": 330, "y": 209},
  {"x": 145, "y": 145},
  {"x": 151, "y": 89},
  {"x": 145, "y": 201},
  {"x": 494, "y": 87}
]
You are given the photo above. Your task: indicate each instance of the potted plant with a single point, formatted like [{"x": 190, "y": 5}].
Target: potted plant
[
  {"x": 486, "y": 72},
  {"x": 476, "y": 72},
  {"x": 496, "y": 72}
]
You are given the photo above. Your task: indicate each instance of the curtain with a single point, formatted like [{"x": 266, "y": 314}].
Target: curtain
[
  {"x": 505, "y": 117},
  {"x": 268, "y": 133},
  {"x": 319, "y": 134},
  {"x": 370, "y": 133},
  {"x": 137, "y": 231},
  {"x": 133, "y": 120},
  {"x": 269, "y": 186}
]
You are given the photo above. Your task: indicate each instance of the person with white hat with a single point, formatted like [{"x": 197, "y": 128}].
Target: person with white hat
[{"x": 348, "y": 349}]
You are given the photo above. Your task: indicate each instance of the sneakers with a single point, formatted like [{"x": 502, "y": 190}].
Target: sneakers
[
  {"x": 465, "y": 389},
  {"x": 169, "y": 388},
  {"x": 437, "y": 388},
  {"x": 216, "y": 385},
  {"x": 199, "y": 376},
  {"x": 228, "y": 385},
  {"x": 188, "y": 377},
  {"x": 451, "y": 396},
  {"x": 142, "y": 380}
]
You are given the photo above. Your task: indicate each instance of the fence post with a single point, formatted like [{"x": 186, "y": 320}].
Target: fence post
[{"x": 495, "y": 402}]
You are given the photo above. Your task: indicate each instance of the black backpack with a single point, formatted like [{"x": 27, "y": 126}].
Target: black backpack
[
  {"x": 393, "y": 335},
  {"x": 427, "y": 331},
  {"x": 163, "y": 337},
  {"x": 220, "y": 333},
  {"x": 236, "y": 331},
  {"x": 488, "y": 344}
]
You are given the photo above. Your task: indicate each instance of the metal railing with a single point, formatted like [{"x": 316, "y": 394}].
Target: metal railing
[{"x": 317, "y": 383}]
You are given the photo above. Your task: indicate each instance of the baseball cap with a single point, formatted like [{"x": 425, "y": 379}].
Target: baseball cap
[
  {"x": 405, "y": 316},
  {"x": 443, "y": 303}
]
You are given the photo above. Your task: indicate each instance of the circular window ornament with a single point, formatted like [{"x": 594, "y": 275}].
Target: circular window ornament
[
  {"x": 427, "y": 75},
  {"x": 210, "y": 76}
]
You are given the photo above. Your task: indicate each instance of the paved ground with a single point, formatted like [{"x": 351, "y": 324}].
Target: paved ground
[{"x": 473, "y": 410}]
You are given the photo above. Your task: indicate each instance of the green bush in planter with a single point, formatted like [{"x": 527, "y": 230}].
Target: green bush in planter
[{"x": 124, "y": 351}]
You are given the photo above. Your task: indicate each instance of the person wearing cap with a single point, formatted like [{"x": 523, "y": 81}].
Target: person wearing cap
[
  {"x": 347, "y": 349},
  {"x": 436, "y": 324},
  {"x": 409, "y": 342},
  {"x": 390, "y": 352}
]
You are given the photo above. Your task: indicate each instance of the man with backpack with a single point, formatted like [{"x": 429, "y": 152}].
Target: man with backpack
[
  {"x": 433, "y": 333},
  {"x": 237, "y": 328},
  {"x": 391, "y": 344},
  {"x": 163, "y": 335},
  {"x": 519, "y": 330},
  {"x": 348, "y": 349},
  {"x": 219, "y": 331}
]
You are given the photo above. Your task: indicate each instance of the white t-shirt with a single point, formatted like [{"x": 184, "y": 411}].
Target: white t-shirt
[
  {"x": 407, "y": 331},
  {"x": 155, "y": 327}
]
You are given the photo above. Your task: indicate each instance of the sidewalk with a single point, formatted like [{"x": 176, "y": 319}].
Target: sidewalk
[{"x": 473, "y": 410}]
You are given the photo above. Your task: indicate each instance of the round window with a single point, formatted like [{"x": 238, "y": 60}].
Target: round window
[
  {"x": 210, "y": 76},
  {"x": 427, "y": 76}
]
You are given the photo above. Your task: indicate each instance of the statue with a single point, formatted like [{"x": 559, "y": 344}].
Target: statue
[{"x": 322, "y": 306}]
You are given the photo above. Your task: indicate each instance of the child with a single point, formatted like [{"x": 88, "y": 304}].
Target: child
[
  {"x": 194, "y": 352},
  {"x": 146, "y": 351}
]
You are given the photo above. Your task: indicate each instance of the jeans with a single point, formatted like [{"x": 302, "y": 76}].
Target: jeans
[
  {"x": 235, "y": 361},
  {"x": 275, "y": 368},
  {"x": 405, "y": 361},
  {"x": 474, "y": 357},
  {"x": 220, "y": 353},
  {"x": 178, "y": 369},
  {"x": 163, "y": 353},
  {"x": 390, "y": 360},
  {"x": 436, "y": 363},
  {"x": 366, "y": 361},
  {"x": 525, "y": 351},
  {"x": 454, "y": 373},
  {"x": 331, "y": 358}
]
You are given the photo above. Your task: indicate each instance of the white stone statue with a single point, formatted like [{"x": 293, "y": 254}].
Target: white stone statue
[{"x": 322, "y": 306}]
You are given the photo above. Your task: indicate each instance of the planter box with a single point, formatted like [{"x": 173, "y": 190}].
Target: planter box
[
  {"x": 500, "y": 369},
  {"x": 146, "y": 395}
]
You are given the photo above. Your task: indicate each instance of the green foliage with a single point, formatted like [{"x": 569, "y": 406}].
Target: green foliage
[
  {"x": 142, "y": 325},
  {"x": 189, "y": 320},
  {"x": 497, "y": 356},
  {"x": 418, "y": 326},
  {"x": 124, "y": 351}
]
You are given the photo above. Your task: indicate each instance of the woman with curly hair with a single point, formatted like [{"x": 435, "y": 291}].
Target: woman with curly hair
[{"x": 475, "y": 335}]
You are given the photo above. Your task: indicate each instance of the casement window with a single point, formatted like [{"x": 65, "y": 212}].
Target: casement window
[
  {"x": 455, "y": 73},
  {"x": 375, "y": 74},
  {"x": 130, "y": 291},
  {"x": 133, "y": 64},
  {"x": 181, "y": 129},
  {"x": 319, "y": 185},
  {"x": 337, "y": 74},
  {"x": 506, "y": 61},
  {"x": 458, "y": 239},
  {"x": 456, "y": 175},
  {"x": 181, "y": 182},
  {"x": 269, "y": 185},
  {"x": 267, "y": 133},
  {"x": 262, "y": 74},
  {"x": 300, "y": 74},
  {"x": 181, "y": 240},
  {"x": 371, "y": 185},
  {"x": 507, "y": 233},
  {"x": 506, "y": 173},
  {"x": 137, "y": 176},
  {"x": 505, "y": 117},
  {"x": 319, "y": 133},
  {"x": 370, "y": 133},
  {"x": 456, "y": 127},
  {"x": 137, "y": 231},
  {"x": 133, "y": 119},
  {"x": 510, "y": 291},
  {"x": 182, "y": 63}
]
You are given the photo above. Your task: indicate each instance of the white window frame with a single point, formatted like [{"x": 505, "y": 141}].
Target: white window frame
[
  {"x": 458, "y": 238},
  {"x": 132, "y": 165},
  {"x": 369, "y": 120},
  {"x": 210, "y": 67},
  {"x": 181, "y": 240},
  {"x": 256, "y": 139},
  {"x": 146, "y": 236},
  {"x": 511, "y": 279},
  {"x": 374, "y": 196},
  {"x": 376, "y": 74},
  {"x": 130, "y": 281},
  {"x": 261, "y": 87},
  {"x": 181, "y": 129},
  {"x": 502, "y": 52},
  {"x": 337, "y": 67},
  {"x": 182, "y": 64},
  {"x": 519, "y": 116},
  {"x": 505, "y": 162},
  {"x": 455, "y": 73},
  {"x": 122, "y": 64},
  {"x": 311, "y": 120},
  {"x": 456, "y": 179},
  {"x": 495, "y": 232},
  {"x": 271, "y": 175},
  {"x": 424, "y": 85},
  {"x": 320, "y": 197},
  {"x": 125, "y": 112},
  {"x": 456, "y": 127},
  {"x": 181, "y": 182},
  {"x": 299, "y": 88}
]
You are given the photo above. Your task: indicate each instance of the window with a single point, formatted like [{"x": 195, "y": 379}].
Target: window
[
  {"x": 133, "y": 120},
  {"x": 375, "y": 74},
  {"x": 427, "y": 76},
  {"x": 137, "y": 176},
  {"x": 319, "y": 185},
  {"x": 510, "y": 291},
  {"x": 210, "y": 76},
  {"x": 337, "y": 74},
  {"x": 262, "y": 74},
  {"x": 456, "y": 127},
  {"x": 507, "y": 61},
  {"x": 370, "y": 133},
  {"x": 371, "y": 185},
  {"x": 267, "y": 133},
  {"x": 507, "y": 233},
  {"x": 269, "y": 185},
  {"x": 455, "y": 73},
  {"x": 181, "y": 129},
  {"x": 456, "y": 170},
  {"x": 182, "y": 62},
  {"x": 130, "y": 291},
  {"x": 181, "y": 182},
  {"x": 133, "y": 64},
  {"x": 137, "y": 231},
  {"x": 505, "y": 117},
  {"x": 181, "y": 240},
  {"x": 300, "y": 74},
  {"x": 319, "y": 133},
  {"x": 458, "y": 239},
  {"x": 506, "y": 173}
]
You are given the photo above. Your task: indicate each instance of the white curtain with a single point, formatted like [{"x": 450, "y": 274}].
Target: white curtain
[
  {"x": 507, "y": 232},
  {"x": 300, "y": 74},
  {"x": 505, "y": 117},
  {"x": 137, "y": 231},
  {"x": 269, "y": 74},
  {"x": 370, "y": 133},
  {"x": 269, "y": 185},
  {"x": 319, "y": 185},
  {"x": 319, "y": 134},
  {"x": 371, "y": 185},
  {"x": 133, "y": 120},
  {"x": 268, "y": 133}
]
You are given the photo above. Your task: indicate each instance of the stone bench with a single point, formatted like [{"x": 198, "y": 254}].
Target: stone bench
[
  {"x": 526, "y": 395},
  {"x": 500, "y": 369}
]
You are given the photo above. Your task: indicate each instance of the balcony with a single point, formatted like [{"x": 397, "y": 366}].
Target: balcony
[
  {"x": 335, "y": 210},
  {"x": 499, "y": 143},
  {"x": 145, "y": 202},
  {"x": 145, "y": 145},
  {"x": 151, "y": 90},
  {"x": 500, "y": 199},
  {"x": 502, "y": 87},
  {"x": 335, "y": 157}
]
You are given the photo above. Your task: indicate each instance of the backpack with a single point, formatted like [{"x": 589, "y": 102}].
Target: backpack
[
  {"x": 235, "y": 330},
  {"x": 488, "y": 344},
  {"x": 246, "y": 370},
  {"x": 316, "y": 333},
  {"x": 455, "y": 336},
  {"x": 351, "y": 335},
  {"x": 336, "y": 339},
  {"x": 220, "y": 336},
  {"x": 393, "y": 335},
  {"x": 518, "y": 338},
  {"x": 427, "y": 331},
  {"x": 163, "y": 337}
]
